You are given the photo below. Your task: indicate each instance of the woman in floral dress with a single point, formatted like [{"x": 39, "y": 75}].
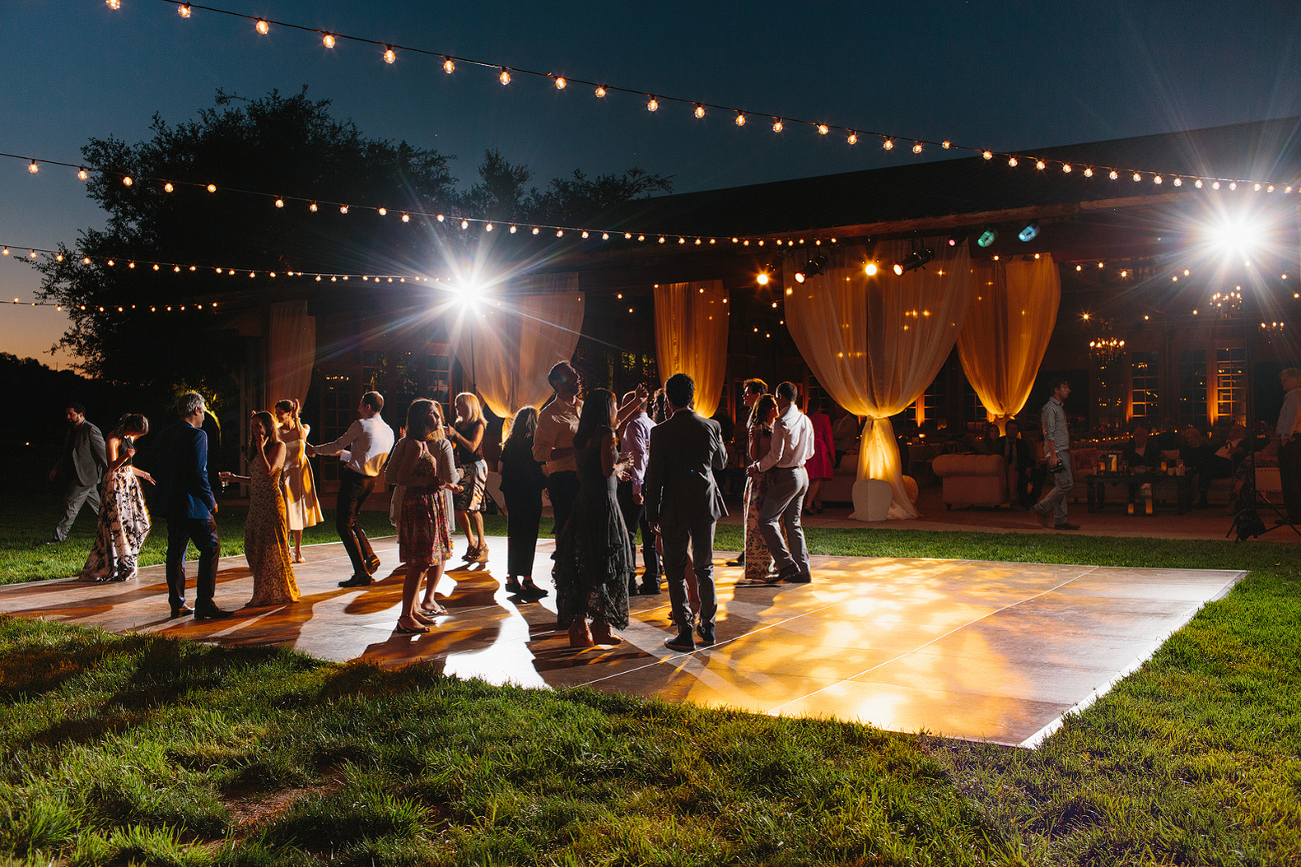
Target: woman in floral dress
[
  {"x": 424, "y": 525},
  {"x": 266, "y": 530},
  {"x": 123, "y": 520}
]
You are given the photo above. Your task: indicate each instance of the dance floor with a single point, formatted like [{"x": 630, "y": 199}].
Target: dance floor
[{"x": 978, "y": 650}]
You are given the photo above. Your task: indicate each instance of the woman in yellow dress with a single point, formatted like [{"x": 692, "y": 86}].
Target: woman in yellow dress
[
  {"x": 266, "y": 530},
  {"x": 296, "y": 482}
]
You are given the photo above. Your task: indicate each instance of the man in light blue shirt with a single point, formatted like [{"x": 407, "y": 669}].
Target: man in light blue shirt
[{"x": 1051, "y": 510}]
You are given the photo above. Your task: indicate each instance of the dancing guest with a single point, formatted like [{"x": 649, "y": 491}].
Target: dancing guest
[
  {"x": 296, "y": 482},
  {"x": 634, "y": 440},
  {"x": 368, "y": 441},
  {"x": 683, "y": 503},
  {"x": 123, "y": 520},
  {"x": 751, "y": 390},
  {"x": 466, "y": 436},
  {"x": 779, "y": 514},
  {"x": 522, "y": 484},
  {"x": 82, "y": 468},
  {"x": 424, "y": 525},
  {"x": 553, "y": 441},
  {"x": 820, "y": 466},
  {"x": 758, "y": 562},
  {"x": 593, "y": 553},
  {"x": 190, "y": 507},
  {"x": 266, "y": 529}
]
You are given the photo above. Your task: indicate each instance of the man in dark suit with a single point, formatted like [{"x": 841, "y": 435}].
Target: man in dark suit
[
  {"x": 82, "y": 466},
  {"x": 190, "y": 508},
  {"x": 683, "y": 503}
]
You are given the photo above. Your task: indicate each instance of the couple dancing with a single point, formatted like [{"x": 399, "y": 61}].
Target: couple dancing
[{"x": 594, "y": 554}]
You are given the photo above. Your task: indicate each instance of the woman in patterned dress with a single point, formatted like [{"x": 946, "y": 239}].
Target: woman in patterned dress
[
  {"x": 424, "y": 527},
  {"x": 594, "y": 553},
  {"x": 296, "y": 482},
  {"x": 266, "y": 530},
  {"x": 758, "y": 562},
  {"x": 123, "y": 520}
]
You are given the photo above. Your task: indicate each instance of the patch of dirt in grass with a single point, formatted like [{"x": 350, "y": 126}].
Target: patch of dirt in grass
[{"x": 247, "y": 814}]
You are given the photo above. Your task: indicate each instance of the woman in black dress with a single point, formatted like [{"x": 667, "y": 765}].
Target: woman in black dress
[
  {"x": 522, "y": 484},
  {"x": 593, "y": 555}
]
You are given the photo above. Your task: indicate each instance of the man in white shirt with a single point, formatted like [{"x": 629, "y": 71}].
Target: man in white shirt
[
  {"x": 634, "y": 441},
  {"x": 368, "y": 441},
  {"x": 792, "y": 445},
  {"x": 553, "y": 441}
]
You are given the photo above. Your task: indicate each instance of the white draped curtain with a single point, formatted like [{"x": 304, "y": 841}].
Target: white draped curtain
[
  {"x": 1011, "y": 318},
  {"x": 291, "y": 352},
  {"x": 517, "y": 340},
  {"x": 876, "y": 342},
  {"x": 691, "y": 337}
]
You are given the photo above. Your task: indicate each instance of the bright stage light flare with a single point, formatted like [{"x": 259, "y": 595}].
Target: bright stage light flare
[{"x": 1236, "y": 235}]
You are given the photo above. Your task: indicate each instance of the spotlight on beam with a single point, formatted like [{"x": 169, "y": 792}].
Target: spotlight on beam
[
  {"x": 870, "y": 269},
  {"x": 916, "y": 259},
  {"x": 987, "y": 237},
  {"x": 812, "y": 268},
  {"x": 1030, "y": 232},
  {"x": 956, "y": 239},
  {"x": 762, "y": 277},
  {"x": 1237, "y": 234}
]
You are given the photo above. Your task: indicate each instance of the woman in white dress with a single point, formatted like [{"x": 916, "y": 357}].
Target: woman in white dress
[
  {"x": 297, "y": 483},
  {"x": 123, "y": 520}
]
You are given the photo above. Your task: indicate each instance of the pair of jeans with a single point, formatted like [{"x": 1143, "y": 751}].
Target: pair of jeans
[
  {"x": 182, "y": 530},
  {"x": 1055, "y": 500},
  {"x": 354, "y": 488}
]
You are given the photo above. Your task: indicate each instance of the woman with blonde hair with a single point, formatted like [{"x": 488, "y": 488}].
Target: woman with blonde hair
[
  {"x": 123, "y": 521},
  {"x": 424, "y": 528},
  {"x": 266, "y": 529},
  {"x": 296, "y": 482},
  {"x": 467, "y": 438}
]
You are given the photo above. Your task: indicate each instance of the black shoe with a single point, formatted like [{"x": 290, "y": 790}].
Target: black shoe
[
  {"x": 798, "y": 578},
  {"x": 356, "y": 581},
  {"x": 181, "y": 610},
  {"x": 529, "y": 590},
  {"x": 210, "y": 612},
  {"x": 513, "y": 586},
  {"x": 706, "y": 635},
  {"x": 651, "y": 587},
  {"x": 739, "y": 561},
  {"x": 681, "y": 642},
  {"x": 372, "y": 564}
]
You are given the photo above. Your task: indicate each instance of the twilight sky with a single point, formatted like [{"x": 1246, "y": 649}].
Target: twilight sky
[{"x": 1002, "y": 74}]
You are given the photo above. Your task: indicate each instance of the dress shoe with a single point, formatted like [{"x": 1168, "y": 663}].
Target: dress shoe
[
  {"x": 209, "y": 612},
  {"x": 706, "y": 635},
  {"x": 739, "y": 561},
  {"x": 529, "y": 590},
  {"x": 1045, "y": 518},
  {"x": 1067, "y": 526},
  {"x": 798, "y": 578},
  {"x": 512, "y": 585},
  {"x": 372, "y": 564},
  {"x": 650, "y": 587},
  {"x": 356, "y": 581},
  {"x": 682, "y": 642},
  {"x": 181, "y": 610}
]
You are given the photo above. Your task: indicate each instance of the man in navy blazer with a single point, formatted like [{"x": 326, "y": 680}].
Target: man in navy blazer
[
  {"x": 683, "y": 503},
  {"x": 190, "y": 508}
]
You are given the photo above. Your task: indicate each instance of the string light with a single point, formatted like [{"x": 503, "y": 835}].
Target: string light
[
  {"x": 389, "y": 55},
  {"x": 653, "y": 104},
  {"x": 740, "y": 119},
  {"x": 700, "y": 110},
  {"x": 853, "y": 138},
  {"x": 888, "y": 144},
  {"x": 167, "y": 187},
  {"x": 81, "y": 174},
  {"x": 328, "y": 40},
  {"x": 1011, "y": 161},
  {"x": 33, "y": 168},
  {"x": 114, "y": 4},
  {"x": 601, "y": 90},
  {"x": 777, "y": 125}
]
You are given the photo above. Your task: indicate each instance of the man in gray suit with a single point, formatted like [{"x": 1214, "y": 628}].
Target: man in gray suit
[
  {"x": 82, "y": 466},
  {"x": 683, "y": 503}
]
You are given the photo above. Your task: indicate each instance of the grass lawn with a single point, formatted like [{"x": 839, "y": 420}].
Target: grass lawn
[{"x": 146, "y": 750}]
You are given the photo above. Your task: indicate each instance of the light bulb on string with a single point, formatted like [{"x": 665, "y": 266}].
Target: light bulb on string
[
  {"x": 917, "y": 148},
  {"x": 823, "y": 129},
  {"x": 33, "y": 167},
  {"x": 114, "y": 4},
  {"x": 1039, "y": 164},
  {"x": 777, "y": 125},
  {"x": 389, "y": 55},
  {"x": 853, "y": 138},
  {"x": 1088, "y": 172},
  {"x": 212, "y": 188},
  {"x": 1011, "y": 161},
  {"x": 126, "y": 180},
  {"x": 946, "y": 145},
  {"x": 1113, "y": 174},
  {"x": 504, "y": 76},
  {"x": 1066, "y": 168},
  {"x": 600, "y": 92},
  {"x": 740, "y": 119},
  {"x": 700, "y": 110},
  {"x": 81, "y": 174},
  {"x": 560, "y": 82},
  {"x": 888, "y": 144},
  {"x": 987, "y": 155},
  {"x": 343, "y": 209},
  {"x": 448, "y": 66},
  {"x": 167, "y": 187},
  {"x": 327, "y": 40},
  {"x": 383, "y": 212},
  {"x": 652, "y": 104},
  {"x": 263, "y": 26},
  {"x": 312, "y": 207}
]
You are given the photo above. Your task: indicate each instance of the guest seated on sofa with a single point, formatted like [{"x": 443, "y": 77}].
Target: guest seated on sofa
[
  {"x": 1020, "y": 462},
  {"x": 989, "y": 444},
  {"x": 1142, "y": 452}
]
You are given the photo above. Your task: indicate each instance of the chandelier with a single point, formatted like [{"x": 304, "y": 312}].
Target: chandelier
[{"x": 1227, "y": 303}]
